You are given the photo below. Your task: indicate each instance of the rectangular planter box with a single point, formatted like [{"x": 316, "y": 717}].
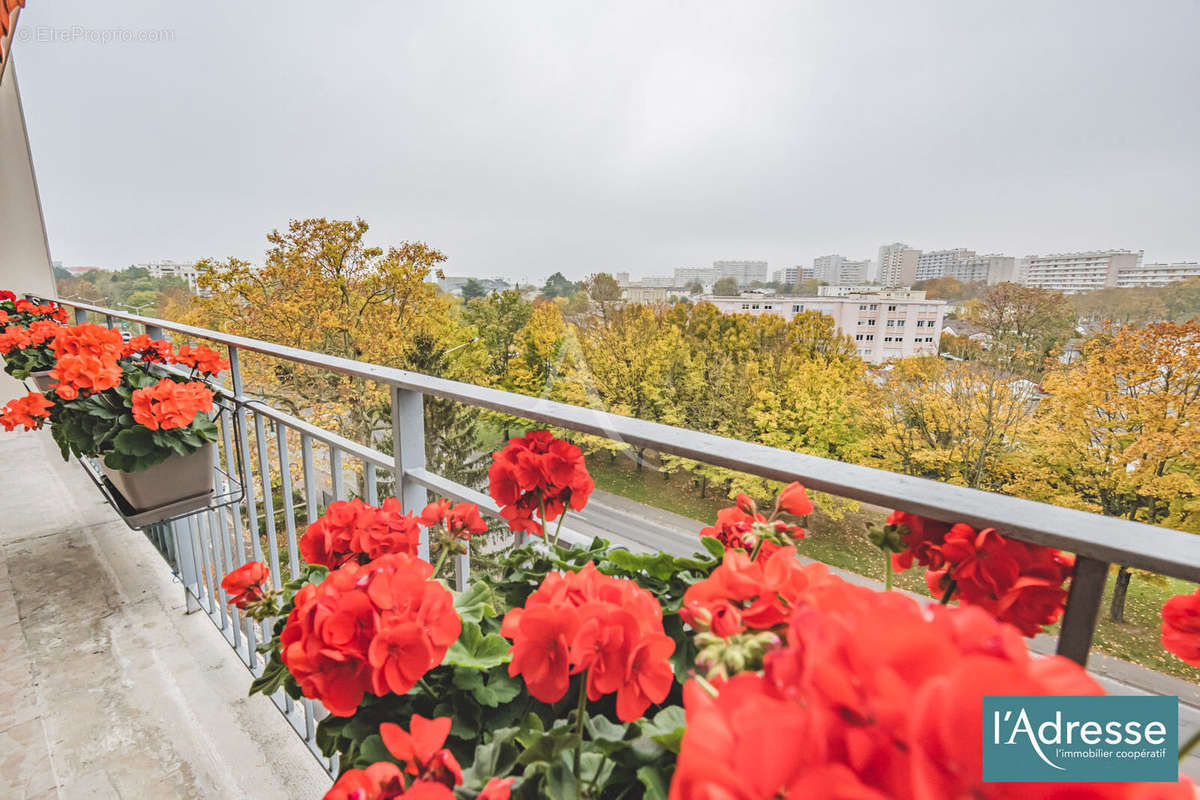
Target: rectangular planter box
[
  {"x": 176, "y": 479},
  {"x": 41, "y": 380}
]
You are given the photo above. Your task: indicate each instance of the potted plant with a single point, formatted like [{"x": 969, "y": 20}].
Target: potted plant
[
  {"x": 26, "y": 330},
  {"x": 152, "y": 432}
]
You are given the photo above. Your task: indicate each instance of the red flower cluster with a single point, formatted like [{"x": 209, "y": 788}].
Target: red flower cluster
[
  {"x": 1181, "y": 627},
  {"x": 203, "y": 360},
  {"x": 742, "y": 594},
  {"x": 374, "y": 627},
  {"x": 32, "y": 311},
  {"x": 351, "y": 529},
  {"x": 86, "y": 360},
  {"x": 461, "y": 521},
  {"x": 245, "y": 584},
  {"x": 14, "y": 337},
  {"x": 538, "y": 474},
  {"x": 1016, "y": 582},
  {"x": 433, "y": 769},
  {"x": 872, "y": 698},
  {"x": 743, "y": 527},
  {"x": 28, "y": 411},
  {"x": 586, "y": 621},
  {"x": 170, "y": 404},
  {"x": 150, "y": 351}
]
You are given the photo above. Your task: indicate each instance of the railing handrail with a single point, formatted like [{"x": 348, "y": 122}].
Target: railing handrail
[{"x": 1109, "y": 539}]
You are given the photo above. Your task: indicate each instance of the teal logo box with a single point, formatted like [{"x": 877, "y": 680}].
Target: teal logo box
[{"x": 1090, "y": 739}]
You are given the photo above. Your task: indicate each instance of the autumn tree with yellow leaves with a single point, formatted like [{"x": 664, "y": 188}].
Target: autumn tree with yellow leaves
[{"x": 1119, "y": 432}]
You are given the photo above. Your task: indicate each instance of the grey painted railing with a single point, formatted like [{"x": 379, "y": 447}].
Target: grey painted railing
[{"x": 207, "y": 545}]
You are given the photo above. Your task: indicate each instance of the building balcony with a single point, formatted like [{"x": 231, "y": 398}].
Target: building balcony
[{"x": 123, "y": 671}]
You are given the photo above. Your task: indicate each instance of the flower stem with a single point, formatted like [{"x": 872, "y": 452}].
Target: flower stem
[
  {"x": 441, "y": 559},
  {"x": 949, "y": 591},
  {"x": 1189, "y": 745},
  {"x": 757, "y": 547},
  {"x": 887, "y": 571},
  {"x": 581, "y": 714},
  {"x": 558, "y": 527}
]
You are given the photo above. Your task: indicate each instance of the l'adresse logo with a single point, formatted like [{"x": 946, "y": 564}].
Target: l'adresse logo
[{"x": 1080, "y": 738}]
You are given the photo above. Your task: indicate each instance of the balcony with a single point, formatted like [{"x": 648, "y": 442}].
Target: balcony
[{"x": 113, "y": 685}]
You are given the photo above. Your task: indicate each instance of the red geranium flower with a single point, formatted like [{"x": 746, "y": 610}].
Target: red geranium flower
[
  {"x": 77, "y": 375},
  {"x": 88, "y": 339},
  {"x": 203, "y": 359},
  {"x": 170, "y": 404},
  {"x": 1181, "y": 627},
  {"x": 422, "y": 749},
  {"x": 376, "y": 627},
  {"x": 28, "y": 411},
  {"x": 245, "y": 584},
  {"x": 14, "y": 338},
  {"x": 540, "y": 475},
  {"x": 589, "y": 622},
  {"x": 151, "y": 351},
  {"x": 351, "y": 529}
]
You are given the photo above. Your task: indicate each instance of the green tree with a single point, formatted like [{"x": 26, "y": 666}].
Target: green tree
[
  {"x": 496, "y": 320},
  {"x": 694, "y": 287},
  {"x": 1024, "y": 325},
  {"x": 473, "y": 289},
  {"x": 557, "y": 285},
  {"x": 726, "y": 287}
]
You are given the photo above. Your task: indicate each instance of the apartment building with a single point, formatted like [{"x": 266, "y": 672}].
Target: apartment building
[
  {"x": 788, "y": 276},
  {"x": 882, "y": 328},
  {"x": 1072, "y": 273},
  {"x": 172, "y": 269},
  {"x": 1153, "y": 275},
  {"x": 891, "y": 294},
  {"x": 898, "y": 264},
  {"x": 644, "y": 294},
  {"x": 746, "y": 272},
  {"x": 939, "y": 263},
  {"x": 838, "y": 270},
  {"x": 685, "y": 275}
]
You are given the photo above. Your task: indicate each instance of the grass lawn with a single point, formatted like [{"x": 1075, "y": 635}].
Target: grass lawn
[{"x": 843, "y": 543}]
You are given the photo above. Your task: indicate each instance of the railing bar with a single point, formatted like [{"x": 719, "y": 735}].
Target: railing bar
[
  {"x": 310, "y": 728},
  {"x": 372, "y": 482},
  {"x": 381, "y": 460},
  {"x": 1083, "y": 605},
  {"x": 289, "y": 511},
  {"x": 462, "y": 571},
  {"x": 1109, "y": 539},
  {"x": 336, "y": 474},
  {"x": 310, "y": 477},
  {"x": 264, "y": 468},
  {"x": 198, "y": 562},
  {"x": 251, "y": 500},
  {"x": 216, "y": 593},
  {"x": 408, "y": 449}
]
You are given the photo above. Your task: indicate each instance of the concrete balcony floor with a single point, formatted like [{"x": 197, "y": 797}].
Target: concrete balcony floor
[{"x": 107, "y": 688}]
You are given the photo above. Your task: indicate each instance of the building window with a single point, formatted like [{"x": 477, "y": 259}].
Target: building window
[
  {"x": 768, "y": 308},
  {"x": 870, "y": 337},
  {"x": 874, "y": 306},
  {"x": 870, "y": 322},
  {"x": 891, "y": 308},
  {"x": 797, "y": 309},
  {"x": 891, "y": 323},
  {"x": 754, "y": 306},
  {"x": 745, "y": 305},
  {"x": 858, "y": 337}
]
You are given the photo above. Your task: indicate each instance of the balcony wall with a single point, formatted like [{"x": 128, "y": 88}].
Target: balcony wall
[{"x": 107, "y": 688}]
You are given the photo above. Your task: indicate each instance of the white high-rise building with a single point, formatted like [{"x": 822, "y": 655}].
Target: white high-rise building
[
  {"x": 746, "y": 272},
  {"x": 1148, "y": 275},
  {"x": 788, "y": 276},
  {"x": 939, "y": 263},
  {"x": 686, "y": 275},
  {"x": 838, "y": 270},
  {"x": 1073, "y": 273},
  {"x": 898, "y": 264}
]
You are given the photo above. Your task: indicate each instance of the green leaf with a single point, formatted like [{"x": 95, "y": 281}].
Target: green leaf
[
  {"x": 667, "y": 728},
  {"x": 371, "y": 750},
  {"x": 134, "y": 442},
  {"x": 475, "y": 650},
  {"x": 713, "y": 545},
  {"x": 560, "y": 781},
  {"x": 476, "y": 603},
  {"x": 652, "y": 778}
]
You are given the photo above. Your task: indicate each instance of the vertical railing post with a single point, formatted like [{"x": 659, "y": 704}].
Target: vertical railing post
[
  {"x": 185, "y": 560},
  {"x": 408, "y": 448},
  {"x": 80, "y": 316},
  {"x": 155, "y": 332},
  {"x": 1083, "y": 605}
]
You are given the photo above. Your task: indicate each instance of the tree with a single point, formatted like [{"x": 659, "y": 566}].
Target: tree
[
  {"x": 948, "y": 287},
  {"x": 694, "y": 287},
  {"x": 1119, "y": 432},
  {"x": 602, "y": 288},
  {"x": 808, "y": 287},
  {"x": 537, "y": 351},
  {"x": 496, "y": 320},
  {"x": 451, "y": 428},
  {"x": 951, "y": 421},
  {"x": 473, "y": 289},
  {"x": 322, "y": 288},
  {"x": 726, "y": 287},
  {"x": 1023, "y": 325},
  {"x": 557, "y": 285}
]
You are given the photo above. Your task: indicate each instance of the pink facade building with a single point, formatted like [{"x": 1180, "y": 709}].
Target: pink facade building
[{"x": 882, "y": 328}]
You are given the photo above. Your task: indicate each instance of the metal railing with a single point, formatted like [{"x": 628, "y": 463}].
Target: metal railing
[{"x": 205, "y": 546}]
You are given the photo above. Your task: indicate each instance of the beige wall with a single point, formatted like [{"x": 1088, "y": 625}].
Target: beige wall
[{"x": 24, "y": 253}]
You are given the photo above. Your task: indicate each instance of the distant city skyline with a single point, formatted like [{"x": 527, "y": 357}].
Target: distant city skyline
[{"x": 519, "y": 140}]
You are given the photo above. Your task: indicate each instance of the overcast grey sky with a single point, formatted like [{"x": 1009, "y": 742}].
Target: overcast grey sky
[{"x": 522, "y": 138}]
